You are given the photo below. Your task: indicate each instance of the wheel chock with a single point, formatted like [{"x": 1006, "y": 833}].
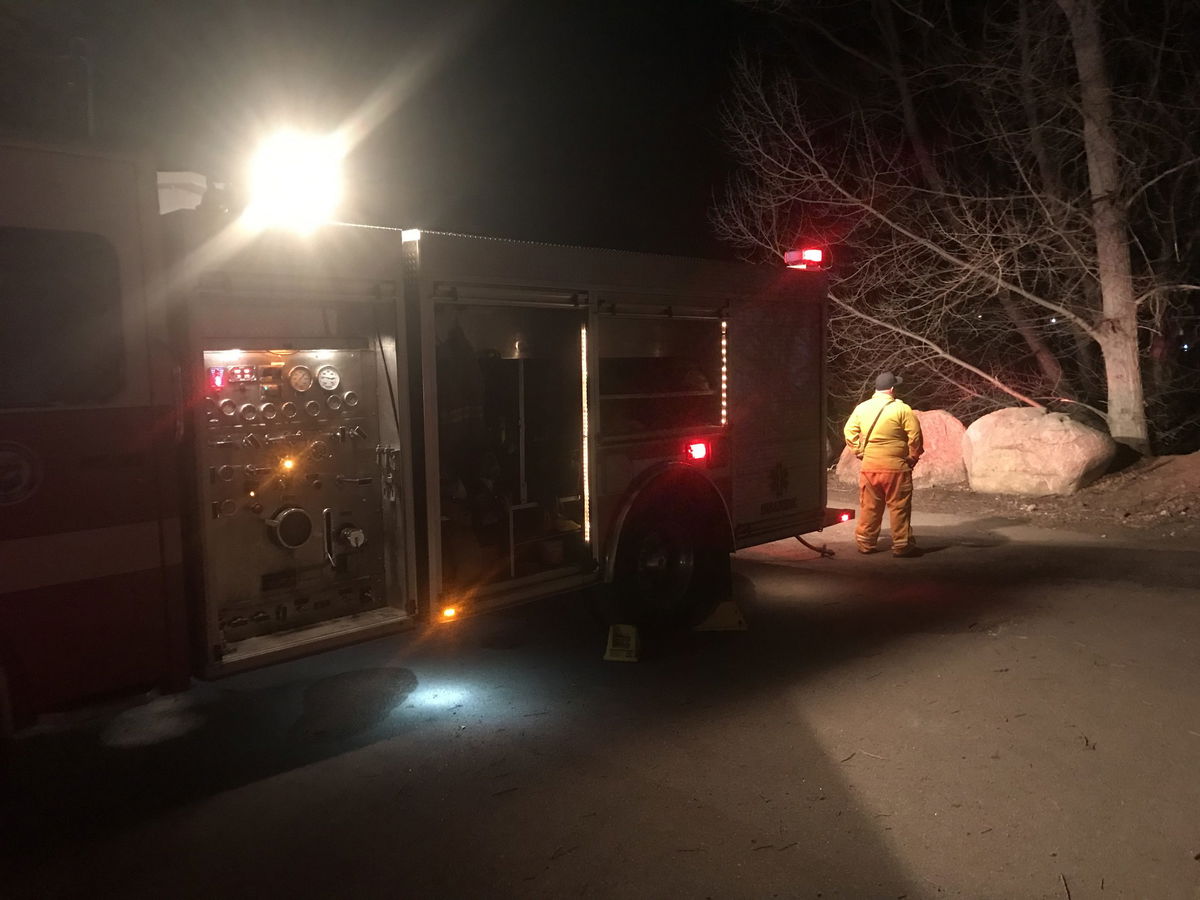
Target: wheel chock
[
  {"x": 624, "y": 643},
  {"x": 726, "y": 616}
]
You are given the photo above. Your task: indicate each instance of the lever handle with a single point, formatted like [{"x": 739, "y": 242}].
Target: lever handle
[
  {"x": 354, "y": 479},
  {"x": 327, "y": 533}
]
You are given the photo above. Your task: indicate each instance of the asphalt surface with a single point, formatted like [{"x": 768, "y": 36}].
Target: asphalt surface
[{"x": 1015, "y": 714}]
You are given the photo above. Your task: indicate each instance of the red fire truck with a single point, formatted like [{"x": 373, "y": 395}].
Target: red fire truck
[{"x": 219, "y": 449}]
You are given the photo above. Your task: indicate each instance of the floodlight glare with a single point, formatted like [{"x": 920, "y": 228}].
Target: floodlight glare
[{"x": 295, "y": 181}]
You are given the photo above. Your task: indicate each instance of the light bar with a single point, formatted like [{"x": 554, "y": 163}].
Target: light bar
[{"x": 806, "y": 258}]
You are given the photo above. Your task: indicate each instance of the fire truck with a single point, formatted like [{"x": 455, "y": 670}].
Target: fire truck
[{"x": 221, "y": 449}]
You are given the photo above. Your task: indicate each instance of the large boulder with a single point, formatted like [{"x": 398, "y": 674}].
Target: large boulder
[
  {"x": 942, "y": 463},
  {"x": 1032, "y": 451}
]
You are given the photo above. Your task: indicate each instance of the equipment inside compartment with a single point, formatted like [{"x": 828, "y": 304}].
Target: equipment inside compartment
[{"x": 510, "y": 443}]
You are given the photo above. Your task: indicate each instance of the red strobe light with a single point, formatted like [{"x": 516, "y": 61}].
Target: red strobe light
[
  {"x": 697, "y": 451},
  {"x": 806, "y": 258}
]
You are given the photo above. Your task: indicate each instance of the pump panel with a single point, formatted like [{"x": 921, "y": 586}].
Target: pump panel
[{"x": 291, "y": 498}]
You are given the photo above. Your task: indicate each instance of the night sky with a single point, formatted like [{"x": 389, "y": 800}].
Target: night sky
[{"x": 575, "y": 122}]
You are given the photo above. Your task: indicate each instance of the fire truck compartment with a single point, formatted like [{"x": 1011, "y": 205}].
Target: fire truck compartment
[{"x": 510, "y": 419}]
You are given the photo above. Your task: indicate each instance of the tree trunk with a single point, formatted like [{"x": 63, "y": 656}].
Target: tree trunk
[
  {"x": 1047, "y": 362},
  {"x": 891, "y": 39},
  {"x": 1118, "y": 329}
]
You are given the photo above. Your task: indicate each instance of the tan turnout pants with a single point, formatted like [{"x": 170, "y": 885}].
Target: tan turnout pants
[{"x": 877, "y": 490}]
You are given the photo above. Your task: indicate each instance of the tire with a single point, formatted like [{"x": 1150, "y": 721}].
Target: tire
[{"x": 671, "y": 565}]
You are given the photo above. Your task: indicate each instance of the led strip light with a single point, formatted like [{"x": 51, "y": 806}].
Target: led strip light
[
  {"x": 724, "y": 372},
  {"x": 587, "y": 494}
]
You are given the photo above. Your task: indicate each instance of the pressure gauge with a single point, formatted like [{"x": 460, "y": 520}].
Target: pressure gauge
[
  {"x": 300, "y": 378},
  {"x": 335, "y": 402},
  {"x": 328, "y": 378},
  {"x": 290, "y": 410}
]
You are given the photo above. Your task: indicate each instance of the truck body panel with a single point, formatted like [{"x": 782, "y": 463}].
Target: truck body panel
[{"x": 238, "y": 448}]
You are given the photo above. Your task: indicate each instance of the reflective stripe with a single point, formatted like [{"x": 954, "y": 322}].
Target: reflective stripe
[{"x": 49, "y": 559}]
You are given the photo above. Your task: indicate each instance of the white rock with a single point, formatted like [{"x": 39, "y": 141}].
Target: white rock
[{"x": 1031, "y": 451}]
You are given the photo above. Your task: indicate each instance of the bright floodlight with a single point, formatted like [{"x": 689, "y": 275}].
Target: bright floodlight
[{"x": 295, "y": 181}]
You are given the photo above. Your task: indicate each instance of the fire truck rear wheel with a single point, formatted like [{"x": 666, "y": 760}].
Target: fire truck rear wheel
[{"x": 671, "y": 565}]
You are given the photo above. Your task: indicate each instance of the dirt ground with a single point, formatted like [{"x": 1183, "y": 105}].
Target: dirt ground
[{"x": 1156, "y": 497}]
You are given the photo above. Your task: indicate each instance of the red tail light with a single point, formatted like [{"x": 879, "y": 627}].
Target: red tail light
[
  {"x": 837, "y": 516},
  {"x": 697, "y": 451}
]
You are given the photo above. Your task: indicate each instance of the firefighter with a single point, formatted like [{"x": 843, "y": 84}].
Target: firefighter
[{"x": 884, "y": 433}]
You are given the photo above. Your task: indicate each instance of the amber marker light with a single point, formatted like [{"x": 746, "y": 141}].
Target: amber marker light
[
  {"x": 289, "y": 464},
  {"x": 449, "y": 613}
]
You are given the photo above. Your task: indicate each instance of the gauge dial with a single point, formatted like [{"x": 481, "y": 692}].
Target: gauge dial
[
  {"x": 313, "y": 408},
  {"x": 335, "y": 402},
  {"x": 351, "y": 398},
  {"x": 269, "y": 410},
  {"x": 290, "y": 410},
  {"x": 328, "y": 378},
  {"x": 249, "y": 412},
  {"x": 228, "y": 407},
  {"x": 300, "y": 378}
]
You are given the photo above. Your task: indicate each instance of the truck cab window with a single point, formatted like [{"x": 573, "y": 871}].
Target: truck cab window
[{"x": 61, "y": 342}]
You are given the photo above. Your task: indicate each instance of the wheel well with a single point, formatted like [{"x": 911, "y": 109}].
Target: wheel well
[{"x": 682, "y": 487}]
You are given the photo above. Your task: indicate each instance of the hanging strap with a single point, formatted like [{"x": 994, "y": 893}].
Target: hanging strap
[{"x": 872, "y": 428}]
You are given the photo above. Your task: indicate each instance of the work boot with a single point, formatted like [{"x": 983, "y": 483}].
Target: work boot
[
  {"x": 907, "y": 552},
  {"x": 865, "y": 550}
]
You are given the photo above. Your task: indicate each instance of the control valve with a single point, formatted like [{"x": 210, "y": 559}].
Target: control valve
[{"x": 352, "y": 536}]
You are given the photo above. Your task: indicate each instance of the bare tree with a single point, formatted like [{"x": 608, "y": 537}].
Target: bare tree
[{"x": 993, "y": 252}]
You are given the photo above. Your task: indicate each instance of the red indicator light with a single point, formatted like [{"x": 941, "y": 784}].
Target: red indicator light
[
  {"x": 806, "y": 258},
  {"x": 845, "y": 517},
  {"x": 216, "y": 377},
  {"x": 697, "y": 451}
]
